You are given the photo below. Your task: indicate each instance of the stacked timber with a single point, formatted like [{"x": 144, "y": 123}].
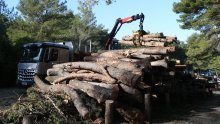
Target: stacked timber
[
  {"x": 153, "y": 39},
  {"x": 110, "y": 77}
]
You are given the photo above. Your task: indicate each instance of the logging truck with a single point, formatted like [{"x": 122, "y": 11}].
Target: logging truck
[{"x": 38, "y": 57}]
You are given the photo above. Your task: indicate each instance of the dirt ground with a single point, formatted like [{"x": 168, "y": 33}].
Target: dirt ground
[
  {"x": 10, "y": 95},
  {"x": 195, "y": 111}
]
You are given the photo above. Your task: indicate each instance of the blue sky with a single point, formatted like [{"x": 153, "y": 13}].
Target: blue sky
[{"x": 159, "y": 16}]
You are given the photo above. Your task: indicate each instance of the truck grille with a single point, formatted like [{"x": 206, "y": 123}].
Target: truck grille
[{"x": 26, "y": 74}]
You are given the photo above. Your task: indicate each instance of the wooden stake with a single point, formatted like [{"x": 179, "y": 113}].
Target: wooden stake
[
  {"x": 109, "y": 106},
  {"x": 147, "y": 106}
]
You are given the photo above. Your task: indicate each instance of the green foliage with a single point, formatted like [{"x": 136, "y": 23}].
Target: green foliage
[
  {"x": 108, "y": 2},
  {"x": 202, "y": 15},
  {"x": 42, "y": 109},
  {"x": 180, "y": 51},
  {"x": 199, "y": 52},
  {"x": 49, "y": 20},
  {"x": 41, "y": 20},
  {"x": 40, "y": 10},
  {"x": 7, "y": 51}
]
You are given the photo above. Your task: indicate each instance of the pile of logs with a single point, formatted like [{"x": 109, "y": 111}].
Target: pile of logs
[
  {"x": 154, "y": 39},
  {"x": 109, "y": 75}
]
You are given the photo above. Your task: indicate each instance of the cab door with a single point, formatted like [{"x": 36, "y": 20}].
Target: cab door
[{"x": 50, "y": 58}]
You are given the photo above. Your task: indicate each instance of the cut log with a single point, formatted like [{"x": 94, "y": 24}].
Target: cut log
[
  {"x": 124, "y": 76},
  {"x": 99, "y": 91},
  {"x": 135, "y": 67},
  {"x": 111, "y": 55},
  {"x": 147, "y": 39},
  {"x": 88, "y": 66},
  {"x": 154, "y": 35},
  {"x": 135, "y": 93},
  {"x": 145, "y": 43},
  {"x": 171, "y": 38},
  {"x": 153, "y": 44},
  {"x": 109, "y": 107},
  {"x": 57, "y": 72},
  {"x": 162, "y": 63},
  {"x": 146, "y": 50},
  {"x": 130, "y": 60},
  {"x": 86, "y": 77},
  {"x": 147, "y": 106},
  {"x": 83, "y": 111},
  {"x": 51, "y": 79},
  {"x": 80, "y": 65}
]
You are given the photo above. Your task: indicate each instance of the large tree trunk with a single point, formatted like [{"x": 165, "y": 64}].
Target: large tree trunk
[
  {"x": 99, "y": 91},
  {"x": 83, "y": 111},
  {"x": 124, "y": 76}
]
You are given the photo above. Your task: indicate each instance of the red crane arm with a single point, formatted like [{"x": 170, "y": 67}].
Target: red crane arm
[{"x": 120, "y": 21}]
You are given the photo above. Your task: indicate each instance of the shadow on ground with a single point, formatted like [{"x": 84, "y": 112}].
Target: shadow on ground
[{"x": 195, "y": 109}]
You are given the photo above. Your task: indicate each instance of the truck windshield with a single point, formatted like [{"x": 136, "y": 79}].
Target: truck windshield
[{"x": 31, "y": 54}]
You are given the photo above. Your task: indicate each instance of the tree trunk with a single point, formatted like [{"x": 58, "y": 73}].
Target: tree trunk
[
  {"x": 146, "y": 50},
  {"x": 100, "y": 91},
  {"x": 124, "y": 76},
  {"x": 86, "y": 77},
  {"x": 83, "y": 111},
  {"x": 109, "y": 106},
  {"x": 145, "y": 43},
  {"x": 161, "y": 63}
]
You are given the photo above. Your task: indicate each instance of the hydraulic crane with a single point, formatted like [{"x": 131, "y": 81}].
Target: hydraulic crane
[{"x": 119, "y": 22}]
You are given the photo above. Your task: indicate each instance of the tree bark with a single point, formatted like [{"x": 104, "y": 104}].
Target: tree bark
[
  {"x": 158, "y": 39},
  {"x": 86, "y": 77},
  {"x": 146, "y": 50},
  {"x": 145, "y": 43},
  {"x": 147, "y": 106},
  {"x": 99, "y": 91},
  {"x": 124, "y": 76},
  {"x": 123, "y": 65},
  {"x": 109, "y": 106},
  {"x": 161, "y": 63},
  {"x": 83, "y": 111}
]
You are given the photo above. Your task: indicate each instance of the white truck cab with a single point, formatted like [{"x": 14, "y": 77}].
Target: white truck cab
[{"x": 38, "y": 57}]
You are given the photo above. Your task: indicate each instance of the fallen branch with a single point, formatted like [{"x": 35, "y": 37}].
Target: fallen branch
[{"x": 54, "y": 105}]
